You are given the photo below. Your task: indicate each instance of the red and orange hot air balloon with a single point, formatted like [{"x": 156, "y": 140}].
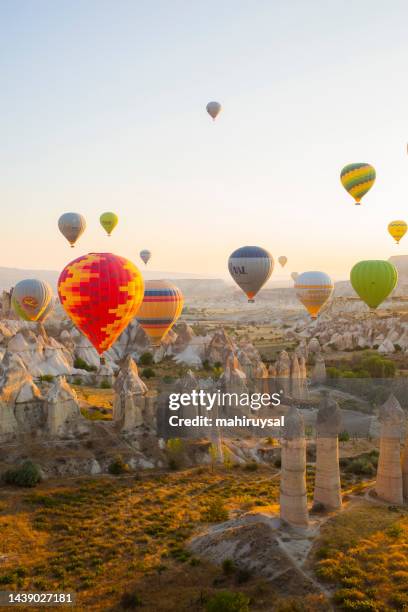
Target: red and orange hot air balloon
[{"x": 101, "y": 293}]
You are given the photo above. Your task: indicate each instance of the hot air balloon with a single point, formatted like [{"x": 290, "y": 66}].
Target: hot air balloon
[
  {"x": 313, "y": 289},
  {"x": 214, "y": 109},
  {"x": 30, "y": 298},
  {"x": 357, "y": 179},
  {"x": 373, "y": 280},
  {"x": 250, "y": 267},
  {"x": 397, "y": 229},
  {"x": 283, "y": 260},
  {"x": 294, "y": 275},
  {"x": 145, "y": 255},
  {"x": 101, "y": 293},
  {"x": 47, "y": 311},
  {"x": 109, "y": 221},
  {"x": 161, "y": 307},
  {"x": 72, "y": 226}
]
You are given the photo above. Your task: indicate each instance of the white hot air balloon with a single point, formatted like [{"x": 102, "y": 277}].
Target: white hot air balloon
[
  {"x": 214, "y": 109},
  {"x": 250, "y": 267},
  {"x": 145, "y": 255},
  {"x": 294, "y": 275}
]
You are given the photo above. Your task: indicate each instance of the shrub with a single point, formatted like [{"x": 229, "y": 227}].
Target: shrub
[
  {"x": 78, "y": 382},
  {"x": 47, "y": 378},
  {"x": 206, "y": 365},
  {"x": 215, "y": 512},
  {"x": 344, "y": 436},
  {"x": 27, "y": 475},
  {"x": 118, "y": 466},
  {"x": 105, "y": 384},
  {"x": 168, "y": 380},
  {"x": 252, "y": 466},
  {"x": 81, "y": 364},
  {"x": 228, "y": 566},
  {"x": 148, "y": 373},
  {"x": 146, "y": 359},
  {"x": 175, "y": 452},
  {"x": 227, "y": 601},
  {"x": 130, "y": 601}
]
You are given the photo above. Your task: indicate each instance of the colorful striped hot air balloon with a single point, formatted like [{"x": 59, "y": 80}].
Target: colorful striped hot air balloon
[
  {"x": 313, "y": 289},
  {"x": 397, "y": 229},
  {"x": 250, "y": 267},
  {"x": 357, "y": 179},
  {"x": 101, "y": 293},
  {"x": 373, "y": 280},
  {"x": 30, "y": 298},
  {"x": 109, "y": 221},
  {"x": 161, "y": 307}
]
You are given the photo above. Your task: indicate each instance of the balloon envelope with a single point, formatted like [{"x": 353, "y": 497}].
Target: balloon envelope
[
  {"x": 47, "y": 311},
  {"x": 357, "y": 179},
  {"x": 283, "y": 260},
  {"x": 313, "y": 289},
  {"x": 30, "y": 298},
  {"x": 250, "y": 267},
  {"x": 397, "y": 229},
  {"x": 109, "y": 221},
  {"x": 101, "y": 293},
  {"x": 294, "y": 275},
  {"x": 214, "y": 109},
  {"x": 161, "y": 307},
  {"x": 373, "y": 280},
  {"x": 72, "y": 226},
  {"x": 145, "y": 255}
]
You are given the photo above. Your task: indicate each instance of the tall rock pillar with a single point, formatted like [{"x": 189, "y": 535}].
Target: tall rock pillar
[
  {"x": 293, "y": 496},
  {"x": 389, "y": 472},
  {"x": 327, "y": 483}
]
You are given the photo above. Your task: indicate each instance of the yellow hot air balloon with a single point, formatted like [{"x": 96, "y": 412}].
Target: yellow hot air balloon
[
  {"x": 161, "y": 307},
  {"x": 109, "y": 221},
  {"x": 313, "y": 289},
  {"x": 397, "y": 229},
  {"x": 283, "y": 260},
  {"x": 357, "y": 179}
]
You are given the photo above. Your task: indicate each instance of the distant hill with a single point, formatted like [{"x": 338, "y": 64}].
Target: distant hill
[{"x": 189, "y": 283}]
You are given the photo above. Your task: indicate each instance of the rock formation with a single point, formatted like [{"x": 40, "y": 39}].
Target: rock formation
[
  {"x": 327, "y": 482},
  {"x": 389, "y": 472},
  {"x": 293, "y": 494},
  {"x": 405, "y": 471},
  {"x": 62, "y": 410},
  {"x": 130, "y": 402}
]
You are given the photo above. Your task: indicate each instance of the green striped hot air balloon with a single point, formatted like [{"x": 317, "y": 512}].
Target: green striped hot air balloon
[
  {"x": 373, "y": 280},
  {"x": 357, "y": 179}
]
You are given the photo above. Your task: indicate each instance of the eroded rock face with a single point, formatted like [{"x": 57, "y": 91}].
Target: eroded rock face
[
  {"x": 129, "y": 403},
  {"x": 62, "y": 410},
  {"x": 327, "y": 482},
  {"x": 319, "y": 370},
  {"x": 293, "y": 493},
  {"x": 389, "y": 485}
]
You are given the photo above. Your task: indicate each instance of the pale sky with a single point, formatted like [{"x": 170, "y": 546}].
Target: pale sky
[{"x": 103, "y": 108}]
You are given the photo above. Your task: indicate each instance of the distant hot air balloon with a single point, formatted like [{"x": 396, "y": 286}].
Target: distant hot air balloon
[
  {"x": 294, "y": 275},
  {"x": 161, "y": 307},
  {"x": 373, "y": 280},
  {"x": 30, "y": 298},
  {"x": 250, "y": 267},
  {"x": 101, "y": 293},
  {"x": 145, "y": 255},
  {"x": 357, "y": 179},
  {"x": 72, "y": 226},
  {"x": 397, "y": 229},
  {"x": 313, "y": 289},
  {"x": 214, "y": 109},
  {"x": 109, "y": 221},
  {"x": 283, "y": 260}
]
